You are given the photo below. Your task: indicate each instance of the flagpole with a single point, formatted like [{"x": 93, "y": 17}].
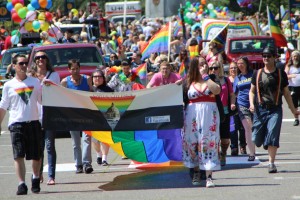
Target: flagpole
[{"x": 169, "y": 41}]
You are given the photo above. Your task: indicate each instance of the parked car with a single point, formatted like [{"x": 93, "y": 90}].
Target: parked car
[
  {"x": 7, "y": 60},
  {"x": 59, "y": 54}
]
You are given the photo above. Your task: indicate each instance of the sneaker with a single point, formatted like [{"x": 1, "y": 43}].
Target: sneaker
[
  {"x": 272, "y": 168},
  {"x": 223, "y": 159},
  {"x": 243, "y": 150},
  {"x": 88, "y": 168},
  {"x": 296, "y": 122},
  {"x": 22, "y": 189},
  {"x": 35, "y": 187},
  {"x": 99, "y": 160},
  {"x": 196, "y": 178},
  {"x": 104, "y": 163},
  {"x": 79, "y": 169},
  {"x": 209, "y": 183},
  {"x": 251, "y": 158},
  {"x": 234, "y": 152}
]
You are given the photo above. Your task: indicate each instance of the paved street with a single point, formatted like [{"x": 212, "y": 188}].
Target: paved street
[{"x": 240, "y": 179}]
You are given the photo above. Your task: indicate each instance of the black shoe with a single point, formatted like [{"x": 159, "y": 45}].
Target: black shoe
[
  {"x": 251, "y": 158},
  {"x": 296, "y": 122},
  {"x": 35, "y": 187},
  {"x": 272, "y": 168},
  {"x": 22, "y": 189},
  {"x": 79, "y": 169},
  {"x": 99, "y": 160},
  {"x": 88, "y": 168},
  {"x": 104, "y": 163},
  {"x": 234, "y": 152}
]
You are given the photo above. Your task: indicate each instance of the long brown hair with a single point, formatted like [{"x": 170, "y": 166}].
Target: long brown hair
[{"x": 193, "y": 73}]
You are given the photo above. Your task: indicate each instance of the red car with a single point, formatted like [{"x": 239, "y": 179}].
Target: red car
[{"x": 59, "y": 55}]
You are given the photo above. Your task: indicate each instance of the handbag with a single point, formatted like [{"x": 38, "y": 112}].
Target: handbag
[{"x": 230, "y": 112}]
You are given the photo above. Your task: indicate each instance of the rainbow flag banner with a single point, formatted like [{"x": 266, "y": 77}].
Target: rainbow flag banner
[
  {"x": 143, "y": 125},
  {"x": 275, "y": 30},
  {"x": 158, "y": 43},
  {"x": 220, "y": 38},
  {"x": 141, "y": 71},
  {"x": 182, "y": 70}
]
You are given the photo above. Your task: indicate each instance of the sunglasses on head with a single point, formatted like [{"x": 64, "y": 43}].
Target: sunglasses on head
[
  {"x": 213, "y": 68},
  {"x": 23, "y": 63},
  {"x": 40, "y": 57},
  {"x": 267, "y": 56}
]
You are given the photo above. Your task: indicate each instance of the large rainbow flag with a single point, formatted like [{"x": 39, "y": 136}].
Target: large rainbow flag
[
  {"x": 141, "y": 71},
  {"x": 158, "y": 43},
  {"x": 220, "y": 38},
  {"x": 275, "y": 30},
  {"x": 143, "y": 125}
]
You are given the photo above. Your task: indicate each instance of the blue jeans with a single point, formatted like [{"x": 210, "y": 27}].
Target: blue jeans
[
  {"x": 238, "y": 134},
  {"x": 266, "y": 126},
  {"x": 86, "y": 148},
  {"x": 49, "y": 143}
]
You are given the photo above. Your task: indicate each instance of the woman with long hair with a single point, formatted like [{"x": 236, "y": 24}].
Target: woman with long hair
[
  {"x": 201, "y": 127},
  {"x": 100, "y": 85},
  {"x": 241, "y": 87},
  {"x": 228, "y": 101}
]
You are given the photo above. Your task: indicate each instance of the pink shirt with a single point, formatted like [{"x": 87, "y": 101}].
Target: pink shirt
[
  {"x": 158, "y": 80},
  {"x": 226, "y": 87}
]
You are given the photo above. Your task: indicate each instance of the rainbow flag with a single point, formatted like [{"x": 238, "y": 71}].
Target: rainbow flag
[
  {"x": 220, "y": 38},
  {"x": 115, "y": 69},
  {"x": 275, "y": 30},
  {"x": 143, "y": 125},
  {"x": 141, "y": 71},
  {"x": 182, "y": 70},
  {"x": 178, "y": 27},
  {"x": 158, "y": 43}
]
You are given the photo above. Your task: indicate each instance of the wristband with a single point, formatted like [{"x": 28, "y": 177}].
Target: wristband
[{"x": 205, "y": 77}]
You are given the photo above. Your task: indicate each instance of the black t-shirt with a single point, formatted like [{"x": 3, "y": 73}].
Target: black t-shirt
[{"x": 268, "y": 84}]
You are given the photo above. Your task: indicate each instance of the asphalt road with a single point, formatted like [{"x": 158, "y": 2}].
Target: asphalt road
[{"x": 238, "y": 180}]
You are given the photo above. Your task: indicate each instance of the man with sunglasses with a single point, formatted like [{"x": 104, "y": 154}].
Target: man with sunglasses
[
  {"x": 21, "y": 95},
  {"x": 267, "y": 87}
]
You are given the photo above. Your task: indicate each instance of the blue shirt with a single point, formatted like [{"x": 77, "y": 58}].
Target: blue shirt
[
  {"x": 84, "y": 86},
  {"x": 241, "y": 87}
]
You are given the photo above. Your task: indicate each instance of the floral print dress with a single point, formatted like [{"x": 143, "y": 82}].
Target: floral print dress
[{"x": 201, "y": 135}]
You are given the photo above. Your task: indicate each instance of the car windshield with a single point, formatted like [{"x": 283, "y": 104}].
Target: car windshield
[
  {"x": 7, "y": 57},
  {"x": 250, "y": 46},
  {"x": 88, "y": 56},
  {"x": 121, "y": 19}
]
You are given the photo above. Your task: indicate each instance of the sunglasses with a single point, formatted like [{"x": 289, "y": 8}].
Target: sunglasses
[
  {"x": 233, "y": 67},
  {"x": 98, "y": 77},
  {"x": 267, "y": 56},
  {"x": 23, "y": 63},
  {"x": 213, "y": 68},
  {"x": 40, "y": 57}
]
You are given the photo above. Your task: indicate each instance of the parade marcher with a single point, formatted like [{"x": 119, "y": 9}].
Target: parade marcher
[
  {"x": 267, "y": 87},
  {"x": 77, "y": 81},
  {"x": 99, "y": 85},
  {"x": 213, "y": 54},
  {"x": 237, "y": 132},
  {"x": 241, "y": 87},
  {"x": 20, "y": 95},
  {"x": 67, "y": 38},
  {"x": 44, "y": 70},
  {"x": 228, "y": 101},
  {"x": 293, "y": 73},
  {"x": 201, "y": 135},
  {"x": 164, "y": 77}
]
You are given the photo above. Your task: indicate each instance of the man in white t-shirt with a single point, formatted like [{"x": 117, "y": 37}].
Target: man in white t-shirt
[{"x": 21, "y": 95}]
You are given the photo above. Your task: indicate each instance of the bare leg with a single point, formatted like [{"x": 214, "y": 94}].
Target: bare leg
[
  {"x": 247, "y": 123},
  {"x": 104, "y": 148},
  {"x": 36, "y": 166},
  {"x": 272, "y": 150},
  {"x": 20, "y": 169}
]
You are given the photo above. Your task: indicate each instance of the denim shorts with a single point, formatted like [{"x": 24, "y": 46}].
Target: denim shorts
[
  {"x": 26, "y": 139},
  {"x": 266, "y": 126},
  {"x": 244, "y": 112}
]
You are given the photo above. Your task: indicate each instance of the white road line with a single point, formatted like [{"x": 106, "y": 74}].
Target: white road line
[{"x": 295, "y": 197}]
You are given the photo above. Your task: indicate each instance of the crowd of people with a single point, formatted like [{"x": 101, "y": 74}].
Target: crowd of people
[{"x": 221, "y": 110}]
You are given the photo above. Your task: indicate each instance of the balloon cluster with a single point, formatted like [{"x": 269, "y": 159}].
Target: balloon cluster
[
  {"x": 245, "y": 3},
  {"x": 197, "y": 11},
  {"x": 32, "y": 18}
]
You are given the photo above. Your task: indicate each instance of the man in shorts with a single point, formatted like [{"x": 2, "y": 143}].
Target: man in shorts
[{"x": 21, "y": 95}]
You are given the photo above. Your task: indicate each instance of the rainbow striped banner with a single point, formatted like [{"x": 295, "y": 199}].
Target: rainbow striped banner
[
  {"x": 158, "y": 43},
  {"x": 141, "y": 71},
  {"x": 275, "y": 30},
  {"x": 182, "y": 70}
]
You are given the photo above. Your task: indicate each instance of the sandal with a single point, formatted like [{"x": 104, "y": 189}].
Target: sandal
[
  {"x": 51, "y": 182},
  {"x": 251, "y": 158}
]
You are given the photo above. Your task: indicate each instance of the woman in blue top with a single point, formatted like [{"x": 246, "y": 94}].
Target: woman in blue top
[{"x": 241, "y": 87}]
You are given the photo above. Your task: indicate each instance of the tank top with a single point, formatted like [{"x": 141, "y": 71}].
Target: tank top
[{"x": 84, "y": 86}]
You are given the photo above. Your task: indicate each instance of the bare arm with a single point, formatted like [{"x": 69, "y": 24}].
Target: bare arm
[
  {"x": 90, "y": 83},
  {"x": 64, "y": 82},
  {"x": 2, "y": 115},
  {"x": 251, "y": 97},
  {"x": 213, "y": 86}
]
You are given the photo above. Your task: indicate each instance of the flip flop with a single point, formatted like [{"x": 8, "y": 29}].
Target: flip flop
[{"x": 51, "y": 182}]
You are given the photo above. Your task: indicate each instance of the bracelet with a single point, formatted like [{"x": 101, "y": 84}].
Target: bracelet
[{"x": 205, "y": 77}]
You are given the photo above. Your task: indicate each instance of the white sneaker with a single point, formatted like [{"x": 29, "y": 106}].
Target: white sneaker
[{"x": 209, "y": 183}]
